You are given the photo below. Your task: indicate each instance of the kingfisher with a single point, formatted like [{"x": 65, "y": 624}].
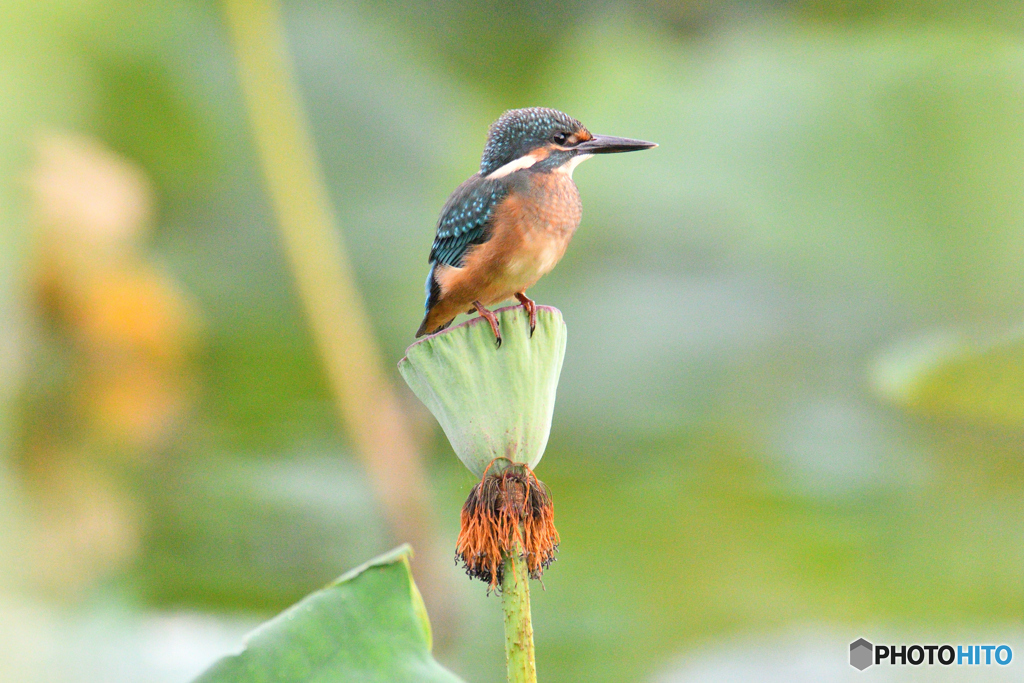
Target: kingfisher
[{"x": 510, "y": 223}]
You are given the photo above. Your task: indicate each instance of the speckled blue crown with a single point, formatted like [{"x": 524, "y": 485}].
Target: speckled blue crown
[{"x": 519, "y": 130}]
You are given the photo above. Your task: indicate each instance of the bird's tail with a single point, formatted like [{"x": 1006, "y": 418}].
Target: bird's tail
[
  {"x": 425, "y": 326},
  {"x": 430, "y": 324}
]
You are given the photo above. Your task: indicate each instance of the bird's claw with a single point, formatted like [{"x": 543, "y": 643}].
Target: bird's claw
[
  {"x": 491, "y": 319},
  {"x": 531, "y": 309}
]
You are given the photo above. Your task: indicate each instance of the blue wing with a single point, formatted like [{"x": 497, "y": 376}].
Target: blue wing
[{"x": 466, "y": 219}]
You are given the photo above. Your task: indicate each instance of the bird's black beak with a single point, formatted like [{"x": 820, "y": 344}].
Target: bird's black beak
[{"x": 607, "y": 144}]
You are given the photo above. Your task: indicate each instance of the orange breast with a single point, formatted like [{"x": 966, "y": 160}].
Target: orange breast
[{"x": 531, "y": 230}]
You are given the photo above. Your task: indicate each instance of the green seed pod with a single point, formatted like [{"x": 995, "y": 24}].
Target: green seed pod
[{"x": 491, "y": 402}]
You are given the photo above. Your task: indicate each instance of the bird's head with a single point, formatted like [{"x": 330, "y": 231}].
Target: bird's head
[{"x": 545, "y": 139}]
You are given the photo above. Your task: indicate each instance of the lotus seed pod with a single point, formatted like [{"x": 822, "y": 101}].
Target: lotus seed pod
[{"x": 491, "y": 402}]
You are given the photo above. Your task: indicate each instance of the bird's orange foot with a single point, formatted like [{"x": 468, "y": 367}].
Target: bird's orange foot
[
  {"x": 531, "y": 308},
  {"x": 491, "y": 318}
]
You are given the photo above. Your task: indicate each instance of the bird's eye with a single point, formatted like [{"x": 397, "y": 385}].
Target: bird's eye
[{"x": 560, "y": 138}]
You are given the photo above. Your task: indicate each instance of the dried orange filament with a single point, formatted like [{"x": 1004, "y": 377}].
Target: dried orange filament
[{"x": 510, "y": 507}]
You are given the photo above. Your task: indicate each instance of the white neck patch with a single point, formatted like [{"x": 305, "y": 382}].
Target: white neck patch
[
  {"x": 525, "y": 161},
  {"x": 568, "y": 167}
]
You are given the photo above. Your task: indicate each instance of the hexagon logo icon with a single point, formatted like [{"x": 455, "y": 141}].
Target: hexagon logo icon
[{"x": 861, "y": 654}]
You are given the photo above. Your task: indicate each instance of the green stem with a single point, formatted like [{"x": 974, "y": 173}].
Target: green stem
[
  {"x": 515, "y": 602},
  {"x": 367, "y": 403}
]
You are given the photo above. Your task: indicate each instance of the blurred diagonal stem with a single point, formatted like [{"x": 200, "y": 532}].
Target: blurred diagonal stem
[
  {"x": 515, "y": 603},
  {"x": 366, "y": 401}
]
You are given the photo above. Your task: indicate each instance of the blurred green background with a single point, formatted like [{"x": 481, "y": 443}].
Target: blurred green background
[{"x": 791, "y": 409}]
